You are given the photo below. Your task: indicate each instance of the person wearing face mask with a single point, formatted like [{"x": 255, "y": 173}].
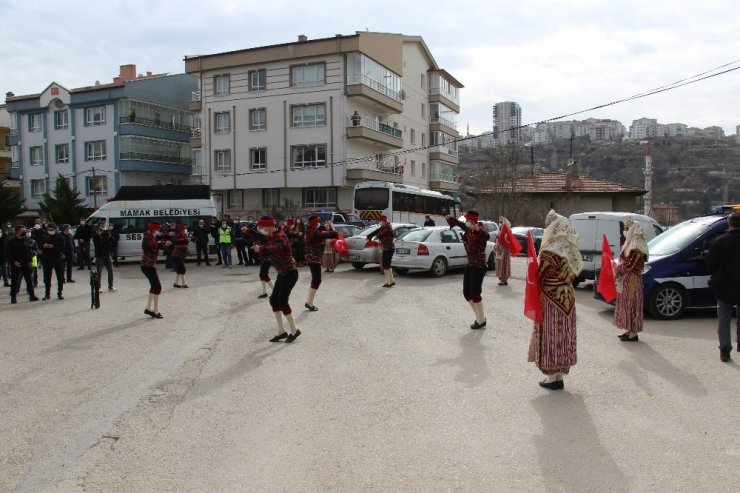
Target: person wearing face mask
[
  {"x": 385, "y": 235},
  {"x": 200, "y": 236},
  {"x": 225, "y": 243},
  {"x": 83, "y": 235},
  {"x": 475, "y": 238},
  {"x": 20, "y": 258},
  {"x": 104, "y": 243},
  {"x": 52, "y": 260},
  {"x": 277, "y": 249},
  {"x": 69, "y": 251},
  {"x": 214, "y": 234}
]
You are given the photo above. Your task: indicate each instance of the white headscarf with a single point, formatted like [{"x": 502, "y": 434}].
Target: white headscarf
[
  {"x": 504, "y": 221},
  {"x": 560, "y": 238},
  {"x": 635, "y": 237}
]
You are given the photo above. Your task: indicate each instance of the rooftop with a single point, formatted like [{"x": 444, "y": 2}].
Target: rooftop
[{"x": 561, "y": 182}]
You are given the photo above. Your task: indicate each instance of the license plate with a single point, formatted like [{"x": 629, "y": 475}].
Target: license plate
[
  {"x": 353, "y": 257},
  {"x": 403, "y": 251},
  {"x": 587, "y": 257}
]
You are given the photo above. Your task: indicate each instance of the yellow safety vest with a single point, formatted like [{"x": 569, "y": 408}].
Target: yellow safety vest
[
  {"x": 35, "y": 261},
  {"x": 224, "y": 235}
]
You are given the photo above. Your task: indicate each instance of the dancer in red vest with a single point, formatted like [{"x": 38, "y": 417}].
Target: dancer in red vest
[
  {"x": 385, "y": 235},
  {"x": 151, "y": 245},
  {"x": 316, "y": 235}
]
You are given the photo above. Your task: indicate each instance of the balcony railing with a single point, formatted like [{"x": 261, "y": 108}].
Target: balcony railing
[
  {"x": 372, "y": 84},
  {"x": 195, "y": 96},
  {"x": 374, "y": 124},
  {"x": 446, "y": 94},
  {"x": 160, "y": 158},
  {"x": 445, "y": 149},
  {"x": 388, "y": 164},
  {"x": 148, "y": 122},
  {"x": 443, "y": 172},
  {"x": 444, "y": 121}
]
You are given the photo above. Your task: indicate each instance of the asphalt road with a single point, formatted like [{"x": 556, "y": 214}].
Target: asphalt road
[{"x": 385, "y": 390}]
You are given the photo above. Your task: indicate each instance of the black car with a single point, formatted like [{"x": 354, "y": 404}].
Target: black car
[{"x": 520, "y": 233}]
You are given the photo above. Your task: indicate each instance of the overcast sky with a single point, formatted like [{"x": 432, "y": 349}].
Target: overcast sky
[{"x": 552, "y": 57}]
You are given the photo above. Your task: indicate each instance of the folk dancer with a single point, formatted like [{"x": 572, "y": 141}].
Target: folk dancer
[
  {"x": 277, "y": 249},
  {"x": 475, "y": 238},
  {"x": 151, "y": 245},
  {"x": 628, "y": 276},
  {"x": 385, "y": 235},
  {"x": 329, "y": 257},
  {"x": 258, "y": 239},
  {"x": 179, "y": 253},
  {"x": 553, "y": 344},
  {"x": 506, "y": 246},
  {"x": 315, "y": 237}
]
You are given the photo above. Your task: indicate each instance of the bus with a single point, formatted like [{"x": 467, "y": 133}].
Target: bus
[{"x": 402, "y": 203}]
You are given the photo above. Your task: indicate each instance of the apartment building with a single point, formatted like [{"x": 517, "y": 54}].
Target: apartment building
[
  {"x": 507, "y": 120},
  {"x": 643, "y": 128},
  {"x": 5, "y": 153},
  {"x": 133, "y": 131},
  {"x": 301, "y": 123}
]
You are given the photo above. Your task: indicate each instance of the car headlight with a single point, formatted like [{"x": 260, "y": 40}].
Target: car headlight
[{"x": 646, "y": 268}]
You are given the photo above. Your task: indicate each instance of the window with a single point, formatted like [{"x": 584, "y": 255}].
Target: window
[
  {"x": 319, "y": 197},
  {"x": 34, "y": 122},
  {"x": 270, "y": 197},
  {"x": 222, "y": 161},
  {"x": 308, "y": 75},
  {"x": 312, "y": 115},
  {"x": 221, "y": 85},
  {"x": 61, "y": 120},
  {"x": 413, "y": 168},
  {"x": 423, "y": 81},
  {"x": 95, "y": 116},
  {"x": 62, "y": 153},
  {"x": 423, "y": 170},
  {"x": 95, "y": 151},
  {"x": 308, "y": 156},
  {"x": 258, "y": 158},
  {"x": 37, "y": 158},
  {"x": 423, "y": 139},
  {"x": 15, "y": 156},
  {"x": 423, "y": 110},
  {"x": 96, "y": 185},
  {"x": 235, "y": 199},
  {"x": 257, "y": 80},
  {"x": 258, "y": 119},
  {"x": 223, "y": 122},
  {"x": 413, "y": 136},
  {"x": 38, "y": 188}
]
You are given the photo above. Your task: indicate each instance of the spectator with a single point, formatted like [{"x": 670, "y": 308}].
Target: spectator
[
  {"x": 225, "y": 243},
  {"x": 168, "y": 232},
  {"x": 69, "y": 251},
  {"x": 428, "y": 221},
  {"x": 104, "y": 242},
  {"x": 200, "y": 235},
  {"x": 20, "y": 257},
  {"x": 83, "y": 235},
  {"x": 723, "y": 262},
  {"x": 115, "y": 233},
  {"x": 180, "y": 252},
  {"x": 240, "y": 244},
  {"x": 5, "y": 235},
  {"x": 52, "y": 260},
  {"x": 214, "y": 234}
]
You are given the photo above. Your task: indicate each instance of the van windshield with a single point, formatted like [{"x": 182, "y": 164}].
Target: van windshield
[{"x": 676, "y": 238}]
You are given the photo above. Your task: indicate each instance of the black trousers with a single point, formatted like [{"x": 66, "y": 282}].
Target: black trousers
[
  {"x": 155, "y": 287},
  {"x": 53, "y": 266},
  {"x": 105, "y": 261},
  {"x": 16, "y": 275},
  {"x": 69, "y": 263},
  {"x": 281, "y": 293},
  {"x": 265, "y": 271},
  {"x": 201, "y": 247},
  {"x": 241, "y": 252},
  {"x": 473, "y": 283},
  {"x": 83, "y": 252},
  {"x": 386, "y": 259},
  {"x": 315, "y": 275},
  {"x": 179, "y": 263}
]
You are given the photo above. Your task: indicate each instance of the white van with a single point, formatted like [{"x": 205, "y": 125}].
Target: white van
[
  {"x": 134, "y": 207},
  {"x": 592, "y": 225}
]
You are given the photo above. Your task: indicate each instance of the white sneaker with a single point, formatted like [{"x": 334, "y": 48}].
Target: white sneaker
[{"x": 112, "y": 289}]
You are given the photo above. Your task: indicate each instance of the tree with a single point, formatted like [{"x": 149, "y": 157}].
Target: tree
[
  {"x": 65, "y": 206},
  {"x": 10, "y": 202}
]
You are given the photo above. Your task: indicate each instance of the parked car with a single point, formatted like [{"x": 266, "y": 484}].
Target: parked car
[
  {"x": 521, "y": 233},
  {"x": 363, "y": 251},
  {"x": 675, "y": 276},
  {"x": 336, "y": 218},
  {"x": 493, "y": 229},
  {"x": 435, "y": 249},
  {"x": 590, "y": 227},
  {"x": 347, "y": 230}
]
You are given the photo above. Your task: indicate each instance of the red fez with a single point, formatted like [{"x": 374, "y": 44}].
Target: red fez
[
  {"x": 153, "y": 226},
  {"x": 471, "y": 216},
  {"x": 266, "y": 222},
  {"x": 382, "y": 218},
  {"x": 314, "y": 220},
  {"x": 290, "y": 222},
  {"x": 181, "y": 228}
]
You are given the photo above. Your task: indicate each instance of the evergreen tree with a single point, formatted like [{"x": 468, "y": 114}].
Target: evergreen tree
[
  {"x": 65, "y": 206},
  {"x": 10, "y": 202}
]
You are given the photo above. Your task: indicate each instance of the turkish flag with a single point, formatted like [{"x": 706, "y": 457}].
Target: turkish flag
[
  {"x": 532, "y": 302},
  {"x": 340, "y": 245},
  {"x": 507, "y": 239},
  {"x": 607, "y": 286}
]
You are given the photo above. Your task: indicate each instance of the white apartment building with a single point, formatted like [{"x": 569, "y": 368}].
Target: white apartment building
[
  {"x": 301, "y": 123},
  {"x": 507, "y": 120},
  {"x": 673, "y": 129},
  {"x": 643, "y": 128}
]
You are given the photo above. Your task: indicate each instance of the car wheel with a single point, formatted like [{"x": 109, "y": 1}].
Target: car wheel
[
  {"x": 439, "y": 267},
  {"x": 667, "y": 302},
  {"x": 401, "y": 270},
  {"x": 358, "y": 265},
  {"x": 492, "y": 261}
]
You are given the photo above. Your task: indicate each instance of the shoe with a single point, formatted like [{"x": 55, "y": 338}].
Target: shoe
[
  {"x": 157, "y": 315},
  {"x": 147, "y": 311},
  {"x": 311, "y": 308},
  {"x": 629, "y": 339},
  {"x": 198, "y": 264},
  {"x": 59, "y": 296},
  {"x": 70, "y": 280},
  {"x": 13, "y": 301},
  {"x": 46, "y": 297},
  {"x": 503, "y": 283},
  {"x": 293, "y": 337},
  {"x": 6, "y": 285},
  {"x": 33, "y": 298},
  {"x": 176, "y": 286},
  {"x": 386, "y": 285},
  {"x": 217, "y": 263},
  {"x": 724, "y": 355},
  {"x": 263, "y": 295},
  {"x": 208, "y": 264},
  {"x": 184, "y": 286},
  {"x": 278, "y": 338},
  {"x": 229, "y": 267},
  {"x": 623, "y": 336},
  {"x": 392, "y": 284},
  {"x": 80, "y": 268},
  {"x": 556, "y": 385},
  {"x": 111, "y": 289},
  {"x": 240, "y": 263},
  {"x": 477, "y": 325}
]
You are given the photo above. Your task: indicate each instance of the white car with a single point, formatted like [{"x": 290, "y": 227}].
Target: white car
[
  {"x": 363, "y": 251},
  {"x": 435, "y": 249}
]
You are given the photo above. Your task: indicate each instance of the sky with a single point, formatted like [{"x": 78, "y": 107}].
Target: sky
[{"x": 552, "y": 57}]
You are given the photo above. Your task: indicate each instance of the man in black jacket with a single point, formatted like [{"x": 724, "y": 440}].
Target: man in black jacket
[
  {"x": 69, "y": 251},
  {"x": 723, "y": 262},
  {"x": 104, "y": 243},
  {"x": 20, "y": 259},
  {"x": 201, "y": 234},
  {"x": 83, "y": 235},
  {"x": 52, "y": 260}
]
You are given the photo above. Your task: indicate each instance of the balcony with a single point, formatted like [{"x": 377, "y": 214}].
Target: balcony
[
  {"x": 438, "y": 96},
  {"x": 359, "y": 85},
  {"x": 373, "y": 130},
  {"x": 195, "y": 141},
  {"x": 160, "y": 158},
  {"x": 154, "y": 123},
  {"x": 442, "y": 124},
  {"x": 443, "y": 176},
  {"x": 195, "y": 102},
  {"x": 444, "y": 153},
  {"x": 380, "y": 169}
]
